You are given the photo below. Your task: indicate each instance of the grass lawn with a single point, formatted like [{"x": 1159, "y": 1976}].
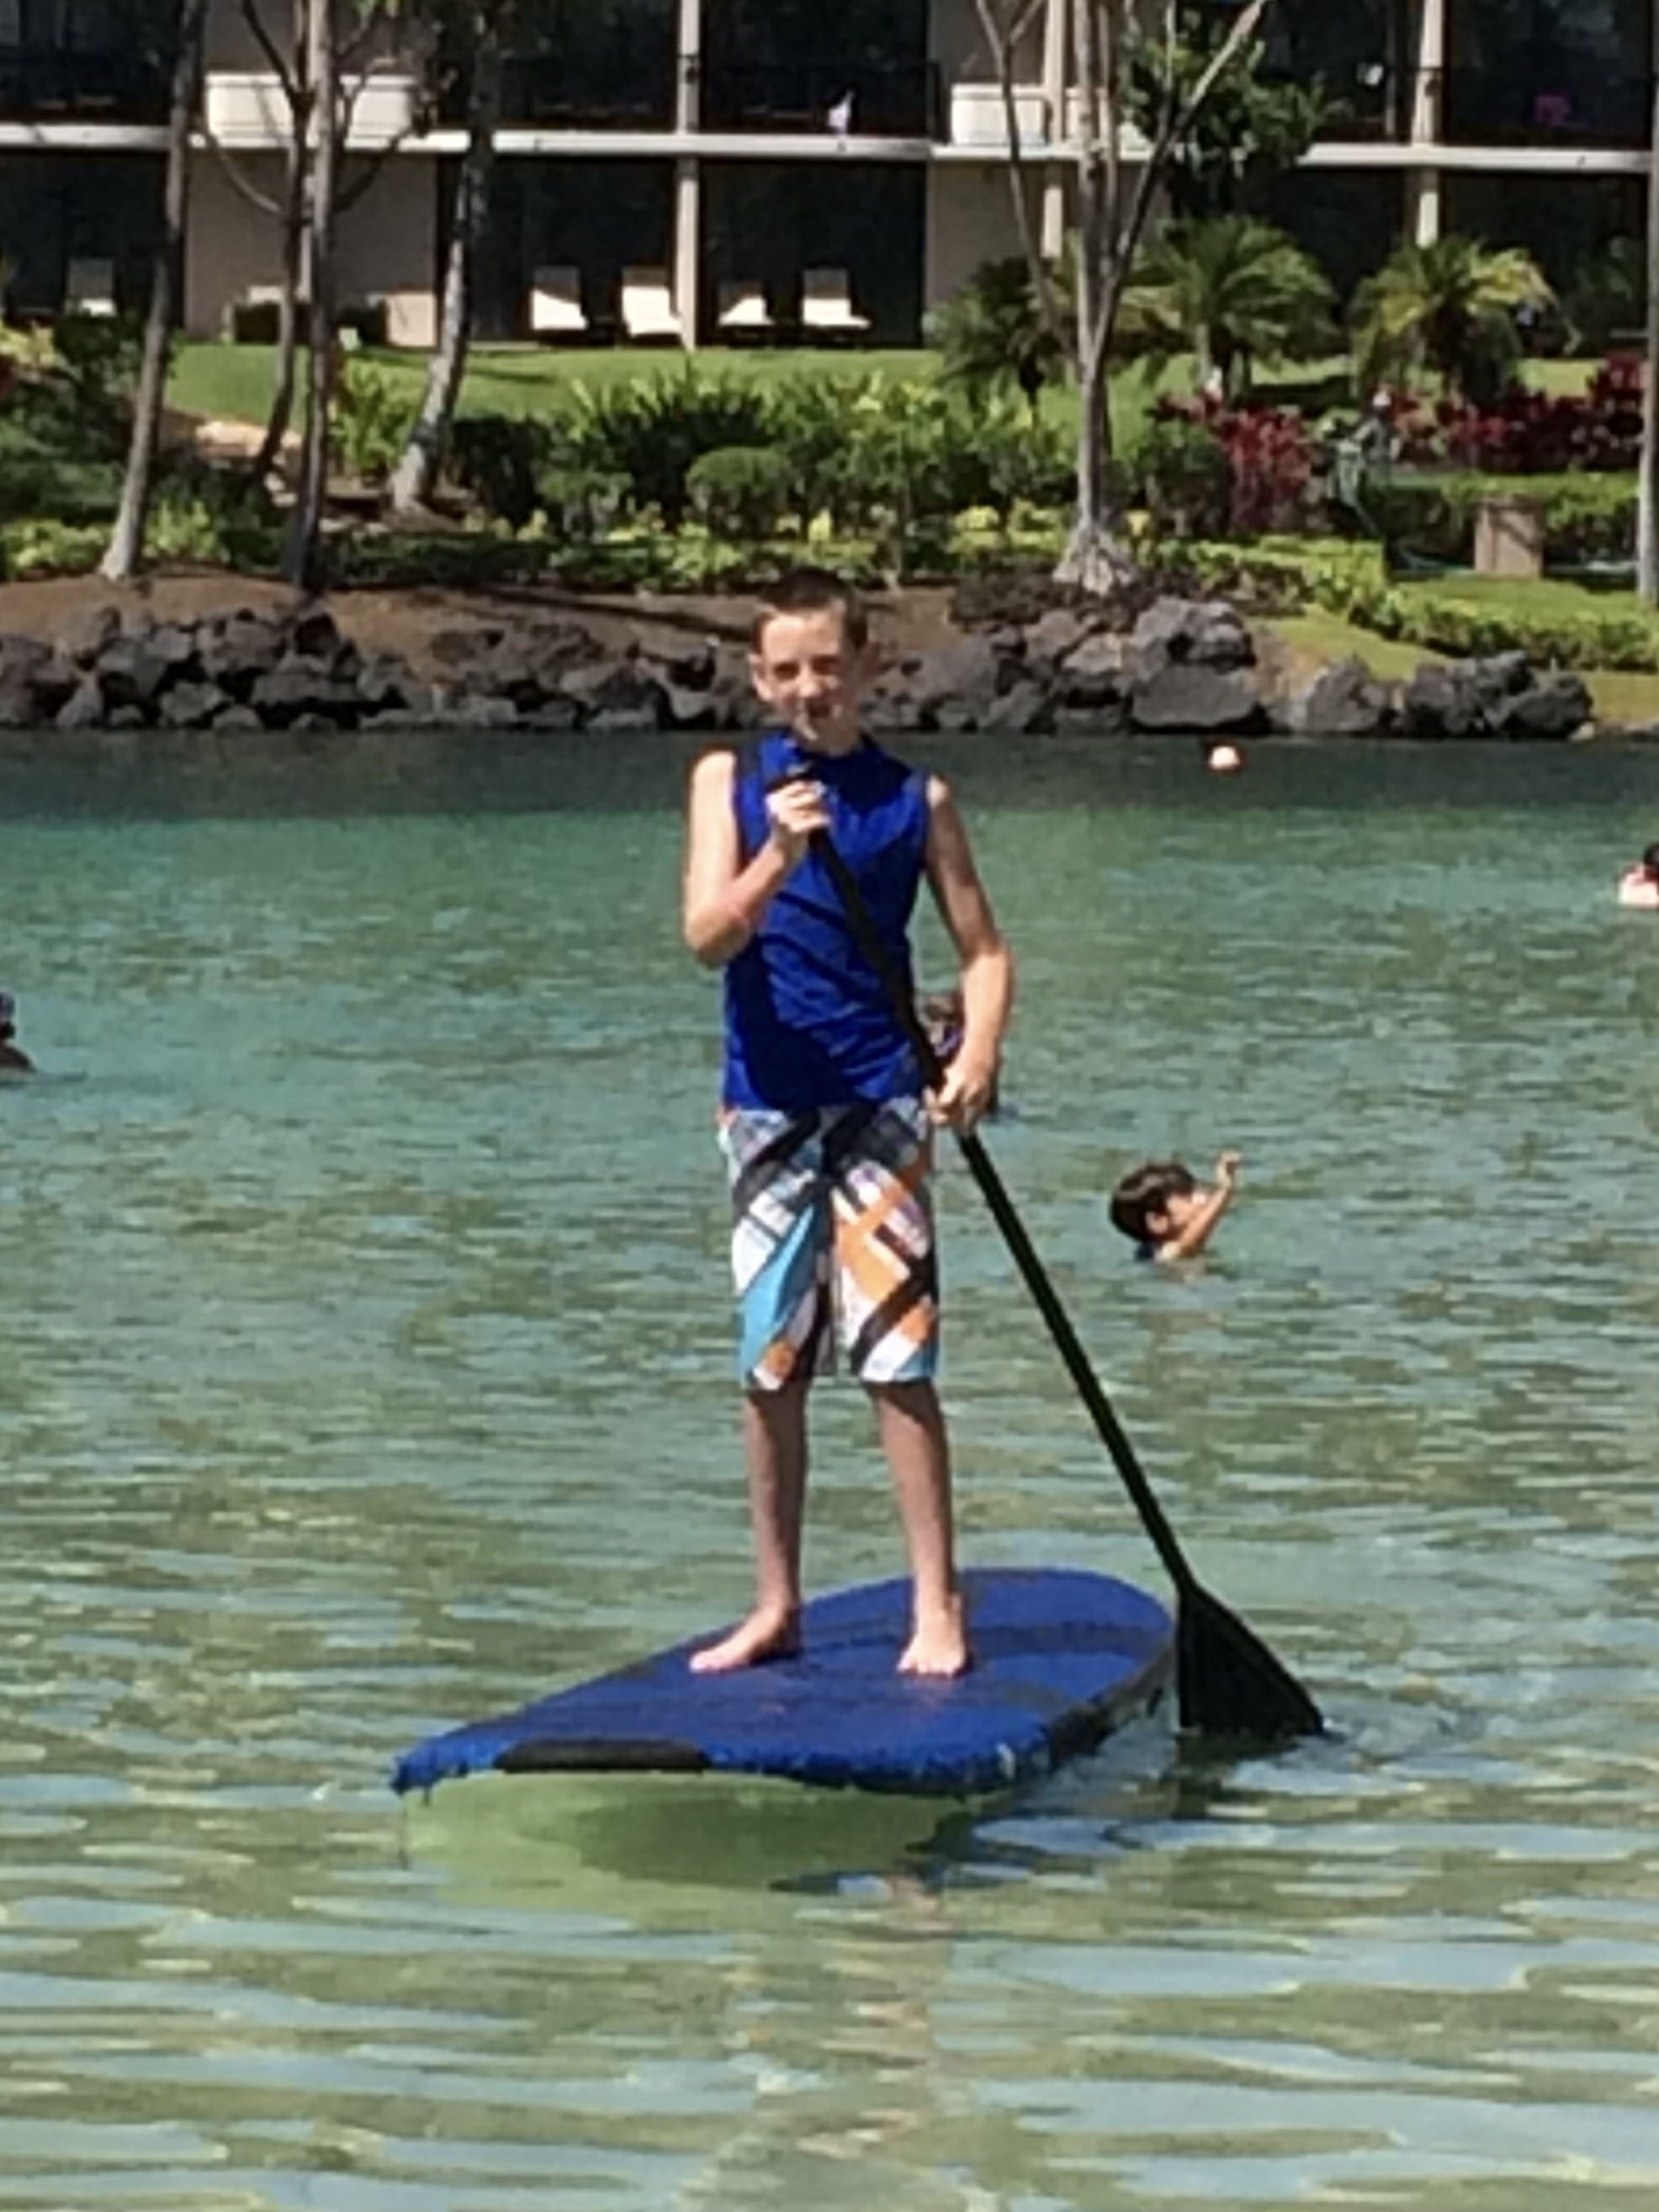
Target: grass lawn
[
  {"x": 233, "y": 383},
  {"x": 1317, "y": 636}
]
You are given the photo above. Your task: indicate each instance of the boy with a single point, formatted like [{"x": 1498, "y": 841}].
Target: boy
[
  {"x": 1639, "y": 884},
  {"x": 823, "y": 1125},
  {"x": 1165, "y": 1213},
  {"x": 13, "y": 1061}
]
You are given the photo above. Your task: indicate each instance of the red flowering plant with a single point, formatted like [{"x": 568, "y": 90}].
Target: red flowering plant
[
  {"x": 1530, "y": 432},
  {"x": 1266, "y": 462}
]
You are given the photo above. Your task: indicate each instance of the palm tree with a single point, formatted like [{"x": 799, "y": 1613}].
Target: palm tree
[
  {"x": 1232, "y": 290},
  {"x": 993, "y": 333},
  {"x": 1450, "y": 307}
]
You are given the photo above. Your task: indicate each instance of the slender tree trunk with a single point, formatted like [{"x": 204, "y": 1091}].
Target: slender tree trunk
[
  {"x": 303, "y": 561},
  {"x": 126, "y": 545},
  {"x": 1097, "y": 559},
  {"x": 416, "y": 474},
  {"x": 285, "y": 375},
  {"x": 1647, "y": 513}
]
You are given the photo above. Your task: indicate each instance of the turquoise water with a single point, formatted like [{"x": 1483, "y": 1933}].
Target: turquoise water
[{"x": 364, "y": 1367}]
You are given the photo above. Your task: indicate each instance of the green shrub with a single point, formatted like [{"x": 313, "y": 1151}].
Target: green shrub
[
  {"x": 741, "y": 492},
  {"x": 1587, "y": 518},
  {"x": 580, "y": 504},
  {"x": 1185, "y": 479},
  {"x": 500, "y": 460},
  {"x": 373, "y": 418},
  {"x": 37, "y": 548},
  {"x": 652, "y": 430},
  {"x": 806, "y": 418}
]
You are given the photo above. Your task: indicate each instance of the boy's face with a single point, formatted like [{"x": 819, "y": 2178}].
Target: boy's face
[
  {"x": 804, "y": 668},
  {"x": 1172, "y": 1218}
]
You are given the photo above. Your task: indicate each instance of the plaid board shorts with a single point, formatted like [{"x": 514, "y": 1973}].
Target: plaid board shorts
[{"x": 832, "y": 1232}]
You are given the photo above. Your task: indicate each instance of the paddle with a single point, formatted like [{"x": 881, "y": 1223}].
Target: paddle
[{"x": 1228, "y": 1682}]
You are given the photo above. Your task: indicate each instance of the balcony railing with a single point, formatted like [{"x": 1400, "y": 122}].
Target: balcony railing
[
  {"x": 851, "y": 100},
  {"x": 46, "y": 84},
  {"x": 623, "y": 91}
]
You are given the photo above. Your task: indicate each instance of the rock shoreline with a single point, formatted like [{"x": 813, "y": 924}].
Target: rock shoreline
[{"x": 1182, "y": 667}]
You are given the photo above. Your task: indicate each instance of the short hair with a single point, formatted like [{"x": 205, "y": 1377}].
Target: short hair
[
  {"x": 1146, "y": 1190},
  {"x": 808, "y": 590},
  {"x": 1651, "y": 859}
]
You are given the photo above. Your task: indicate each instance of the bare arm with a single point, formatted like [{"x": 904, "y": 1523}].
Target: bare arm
[
  {"x": 722, "y": 900},
  {"x": 986, "y": 965},
  {"x": 1197, "y": 1232}
]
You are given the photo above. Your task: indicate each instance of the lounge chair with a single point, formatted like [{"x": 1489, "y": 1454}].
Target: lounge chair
[
  {"x": 555, "y": 304},
  {"x": 826, "y": 306},
  {"x": 647, "y": 306},
  {"x": 89, "y": 288},
  {"x": 743, "y": 310}
]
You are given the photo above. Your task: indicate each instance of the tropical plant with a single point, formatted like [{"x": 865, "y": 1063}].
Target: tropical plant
[
  {"x": 1112, "y": 215},
  {"x": 993, "y": 333},
  {"x": 652, "y": 429},
  {"x": 1450, "y": 308},
  {"x": 1232, "y": 291},
  {"x": 1607, "y": 299},
  {"x": 370, "y": 429},
  {"x": 1249, "y": 128}
]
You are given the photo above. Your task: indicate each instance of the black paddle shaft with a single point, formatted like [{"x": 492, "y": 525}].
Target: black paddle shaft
[{"x": 1260, "y": 1696}]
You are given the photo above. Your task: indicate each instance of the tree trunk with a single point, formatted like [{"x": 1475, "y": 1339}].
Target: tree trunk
[
  {"x": 1096, "y": 559},
  {"x": 126, "y": 545},
  {"x": 285, "y": 375},
  {"x": 303, "y": 562},
  {"x": 416, "y": 475},
  {"x": 1647, "y": 513}
]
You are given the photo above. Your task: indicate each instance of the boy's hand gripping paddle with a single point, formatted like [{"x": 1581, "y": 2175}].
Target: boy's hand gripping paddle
[{"x": 1228, "y": 1681}]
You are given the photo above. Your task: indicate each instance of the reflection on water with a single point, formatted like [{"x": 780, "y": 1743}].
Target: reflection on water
[{"x": 364, "y": 1366}]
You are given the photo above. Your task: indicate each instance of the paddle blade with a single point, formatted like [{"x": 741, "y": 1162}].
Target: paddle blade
[{"x": 1230, "y": 1684}]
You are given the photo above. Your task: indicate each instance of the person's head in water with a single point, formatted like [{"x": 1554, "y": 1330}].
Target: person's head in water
[
  {"x": 1166, "y": 1212},
  {"x": 11, "y": 1059},
  {"x": 809, "y": 656},
  {"x": 1152, "y": 1200},
  {"x": 1650, "y": 862}
]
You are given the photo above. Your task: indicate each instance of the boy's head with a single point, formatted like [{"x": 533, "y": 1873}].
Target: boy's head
[
  {"x": 1650, "y": 862},
  {"x": 809, "y": 655},
  {"x": 7, "y": 1015},
  {"x": 1155, "y": 1201}
]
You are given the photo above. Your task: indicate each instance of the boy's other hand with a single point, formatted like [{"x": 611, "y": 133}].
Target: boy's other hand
[
  {"x": 963, "y": 1098},
  {"x": 797, "y": 810},
  {"x": 1227, "y": 1168}
]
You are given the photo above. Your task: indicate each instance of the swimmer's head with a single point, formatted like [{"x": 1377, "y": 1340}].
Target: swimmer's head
[
  {"x": 1154, "y": 1201},
  {"x": 1224, "y": 759}
]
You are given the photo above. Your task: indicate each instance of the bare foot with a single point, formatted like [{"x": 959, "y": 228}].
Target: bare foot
[
  {"x": 770, "y": 1633},
  {"x": 938, "y": 1643}
]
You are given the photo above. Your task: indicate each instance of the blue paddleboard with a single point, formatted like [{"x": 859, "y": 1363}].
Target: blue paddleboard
[{"x": 1061, "y": 1660}]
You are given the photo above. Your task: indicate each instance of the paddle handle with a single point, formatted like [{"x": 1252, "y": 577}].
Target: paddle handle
[{"x": 1014, "y": 1235}]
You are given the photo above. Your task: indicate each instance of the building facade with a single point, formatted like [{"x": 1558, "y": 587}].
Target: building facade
[{"x": 729, "y": 147}]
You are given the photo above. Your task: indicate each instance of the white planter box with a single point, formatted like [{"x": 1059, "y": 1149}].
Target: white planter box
[
  {"x": 977, "y": 118},
  {"x": 246, "y": 108}
]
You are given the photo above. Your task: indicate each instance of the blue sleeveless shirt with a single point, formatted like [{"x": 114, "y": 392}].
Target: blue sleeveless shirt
[{"x": 807, "y": 1021}]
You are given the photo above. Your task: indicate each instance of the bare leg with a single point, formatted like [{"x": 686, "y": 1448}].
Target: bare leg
[
  {"x": 912, "y": 1430},
  {"x": 774, "y": 1447}
]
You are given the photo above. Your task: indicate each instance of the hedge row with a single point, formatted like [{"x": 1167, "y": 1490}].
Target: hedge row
[
  {"x": 1287, "y": 576},
  {"x": 1587, "y": 519}
]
